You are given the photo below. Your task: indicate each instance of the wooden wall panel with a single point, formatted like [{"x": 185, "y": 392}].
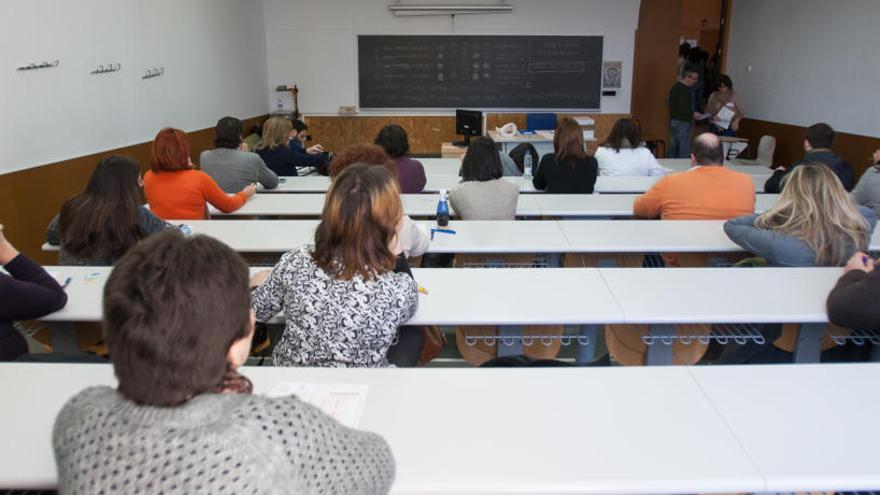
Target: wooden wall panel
[
  {"x": 30, "y": 198},
  {"x": 855, "y": 149},
  {"x": 426, "y": 133}
]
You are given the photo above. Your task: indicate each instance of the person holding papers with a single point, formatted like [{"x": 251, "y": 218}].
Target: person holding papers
[
  {"x": 344, "y": 298},
  {"x": 182, "y": 419},
  {"x": 27, "y": 292},
  {"x": 724, "y": 108}
]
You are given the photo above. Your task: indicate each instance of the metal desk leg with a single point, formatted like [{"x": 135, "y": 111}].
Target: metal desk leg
[
  {"x": 554, "y": 260},
  {"x": 660, "y": 353},
  {"x": 875, "y": 352},
  {"x": 809, "y": 343},
  {"x": 609, "y": 262},
  {"x": 586, "y": 349},
  {"x": 63, "y": 336},
  {"x": 512, "y": 345}
]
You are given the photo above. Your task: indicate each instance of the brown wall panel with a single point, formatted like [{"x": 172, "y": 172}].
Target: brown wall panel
[
  {"x": 855, "y": 149},
  {"x": 30, "y": 198}
]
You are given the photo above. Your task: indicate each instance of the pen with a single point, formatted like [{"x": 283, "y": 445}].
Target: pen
[
  {"x": 442, "y": 231},
  {"x": 93, "y": 275},
  {"x": 67, "y": 282}
]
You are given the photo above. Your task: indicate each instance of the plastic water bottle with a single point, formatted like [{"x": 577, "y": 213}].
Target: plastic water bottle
[
  {"x": 527, "y": 166},
  {"x": 280, "y": 106},
  {"x": 443, "y": 210},
  {"x": 186, "y": 229}
]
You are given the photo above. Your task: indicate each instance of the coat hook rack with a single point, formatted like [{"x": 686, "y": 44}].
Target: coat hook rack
[
  {"x": 44, "y": 65},
  {"x": 155, "y": 72},
  {"x": 104, "y": 69}
]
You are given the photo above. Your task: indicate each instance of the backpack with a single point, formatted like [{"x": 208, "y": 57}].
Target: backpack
[{"x": 518, "y": 155}]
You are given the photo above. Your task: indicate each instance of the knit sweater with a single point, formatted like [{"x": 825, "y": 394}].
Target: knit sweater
[
  {"x": 410, "y": 174},
  {"x": 28, "y": 292},
  {"x": 681, "y": 102},
  {"x": 233, "y": 170},
  {"x": 710, "y": 192},
  {"x": 867, "y": 191},
  {"x": 184, "y": 195},
  {"x": 485, "y": 200},
  {"x": 214, "y": 443},
  {"x": 332, "y": 322}
]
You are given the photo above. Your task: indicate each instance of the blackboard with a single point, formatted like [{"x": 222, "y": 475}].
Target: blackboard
[{"x": 512, "y": 72}]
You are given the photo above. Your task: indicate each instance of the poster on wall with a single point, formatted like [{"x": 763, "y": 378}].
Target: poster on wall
[{"x": 611, "y": 74}]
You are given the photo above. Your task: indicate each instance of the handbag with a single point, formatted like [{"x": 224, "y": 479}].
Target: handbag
[{"x": 434, "y": 342}]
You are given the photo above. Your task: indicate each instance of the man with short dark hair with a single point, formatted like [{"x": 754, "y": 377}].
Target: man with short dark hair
[
  {"x": 708, "y": 191},
  {"x": 314, "y": 156},
  {"x": 817, "y": 144},
  {"x": 230, "y": 164},
  {"x": 682, "y": 112}
]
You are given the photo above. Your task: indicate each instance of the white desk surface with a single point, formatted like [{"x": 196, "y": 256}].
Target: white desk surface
[
  {"x": 647, "y": 236},
  {"x": 487, "y": 236},
  {"x": 473, "y": 296},
  {"x": 722, "y": 295},
  {"x": 312, "y": 204},
  {"x": 631, "y": 430},
  {"x": 807, "y": 427},
  {"x": 256, "y": 236},
  {"x": 681, "y": 164},
  {"x": 441, "y": 166}
]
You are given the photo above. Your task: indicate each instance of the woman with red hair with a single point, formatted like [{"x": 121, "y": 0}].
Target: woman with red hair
[{"x": 175, "y": 190}]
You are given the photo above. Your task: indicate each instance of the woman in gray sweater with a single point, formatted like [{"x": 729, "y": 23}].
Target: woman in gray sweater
[
  {"x": 182, "y": 420},
  {"x": 814, "y": 223},
  {"x": 482, "y": 193}
]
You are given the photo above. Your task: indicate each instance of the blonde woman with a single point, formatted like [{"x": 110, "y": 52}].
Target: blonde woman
[
  {"x": 814, "y": 223},
  {"x": 282, "y": 147}
]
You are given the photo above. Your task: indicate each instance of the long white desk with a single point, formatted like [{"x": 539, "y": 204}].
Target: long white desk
[
  {"x": 525, "y": 431},
  {"x": 604, "y": 184},
  {"x": 423, "y": 205}
]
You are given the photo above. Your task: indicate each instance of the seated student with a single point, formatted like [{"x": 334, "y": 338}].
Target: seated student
[
  {"x": 867, "y": 191},
  {"x": 182, "y": 419},
  {"x": 724, "y": 97},
  {"x": 413, "y": 237},
  {"x": 623, "y": 154},
  {"x": 175, "y": 190},
  {"x": 568, "y": 170},
  {"x": 813, "y": 223},
  {"x": 100, "y": 224},
  {"x": 482, "y": 194},
  {"x": 232, "y": 166},
  {"x": 819, "y": 138},
  {"x": 282, "y": 148},
  {"x": 852, "y": 302},
  {"x": 27, "y": 292},
  {"x": 252, "y": 141},
  {"x": 410, "y": 172},
  {"x": 344, "y": 298},
  {"x": 708, "y": 191}
]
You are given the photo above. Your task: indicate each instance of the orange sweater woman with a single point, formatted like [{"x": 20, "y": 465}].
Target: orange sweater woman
[{"x": 175, "y": 191}]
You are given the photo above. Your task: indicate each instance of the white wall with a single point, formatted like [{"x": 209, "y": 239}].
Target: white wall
[
  {"x": 811, "y": 61},
  {"x": 213, "y": 52},
  {"x": 313, "y": 42}
]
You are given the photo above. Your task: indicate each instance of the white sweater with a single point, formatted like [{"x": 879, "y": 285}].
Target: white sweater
[{"x": 628, "y": 162}]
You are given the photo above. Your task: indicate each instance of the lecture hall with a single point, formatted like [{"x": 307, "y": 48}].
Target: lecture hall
[{"x": 439, "y": 246}]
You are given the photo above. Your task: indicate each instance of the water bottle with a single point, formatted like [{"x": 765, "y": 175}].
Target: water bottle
[
  {"x": 186, "y": 229},
  {"x": 527, "y": 165},
  {"x": 280, "y": 107},
  {"x": 443, "y": 210}
]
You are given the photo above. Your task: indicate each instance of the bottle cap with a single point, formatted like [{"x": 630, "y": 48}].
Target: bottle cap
[{"x": 442, "y": 193}]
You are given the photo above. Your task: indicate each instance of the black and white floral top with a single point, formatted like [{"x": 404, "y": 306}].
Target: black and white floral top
[{"x": 330, "y": 322}]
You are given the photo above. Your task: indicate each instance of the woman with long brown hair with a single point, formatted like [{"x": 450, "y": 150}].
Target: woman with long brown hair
[
  {"x": 813, "y": 223},
  {"x": 568, "y": 170},
  {"x": 344, "y": 297},
  {"x": 97, "y": 226}
]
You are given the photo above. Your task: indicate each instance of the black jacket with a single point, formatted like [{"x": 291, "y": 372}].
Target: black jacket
[{"x": 838, "y": 165}]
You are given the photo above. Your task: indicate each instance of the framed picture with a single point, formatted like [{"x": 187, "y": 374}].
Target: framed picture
[{"x": 611, "y": 74}]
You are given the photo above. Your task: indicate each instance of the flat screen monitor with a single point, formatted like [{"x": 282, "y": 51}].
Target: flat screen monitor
[{"x": 468, "y": 123}]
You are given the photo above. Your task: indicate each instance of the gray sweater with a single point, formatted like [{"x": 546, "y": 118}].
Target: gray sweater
[
  {"x": 214, "y": 443},
  {"x": 777, "y": 248},
  {"x": 867, "y": 191},
  {"x": 233, "y": 170},
  {"x": 485, "y": 200}
]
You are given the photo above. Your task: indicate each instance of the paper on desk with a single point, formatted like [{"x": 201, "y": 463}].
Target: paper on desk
[
  {"x": 724, "y": 117},
  {"x": 546, "y": 134},
  {"x": 343, "y": 401}
]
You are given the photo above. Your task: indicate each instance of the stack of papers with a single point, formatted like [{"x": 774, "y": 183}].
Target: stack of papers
[{"x": 343, "y": 401}]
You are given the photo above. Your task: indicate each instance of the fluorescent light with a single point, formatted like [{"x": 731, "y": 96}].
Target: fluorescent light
[{"x": 411, "y": 10}]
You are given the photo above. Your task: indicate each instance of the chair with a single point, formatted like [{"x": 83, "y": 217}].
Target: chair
[
  {"x": 540, "y": 121},
  {"x": 766, "y": 149}
]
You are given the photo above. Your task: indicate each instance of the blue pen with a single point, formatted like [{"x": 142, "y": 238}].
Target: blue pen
[
  {"x": 442, "y": 231},
  {"x": 67, "y": 282}
]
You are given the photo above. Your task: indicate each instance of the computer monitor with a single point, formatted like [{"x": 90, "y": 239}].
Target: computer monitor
[{"x": 468, "y": 123}]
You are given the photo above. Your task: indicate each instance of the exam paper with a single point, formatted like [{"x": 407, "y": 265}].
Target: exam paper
[
  {"x": 343, "y": 401},
  {"x": 724, "y": 117}
]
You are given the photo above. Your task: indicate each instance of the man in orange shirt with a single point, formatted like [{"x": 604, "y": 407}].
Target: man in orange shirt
[{"x": 708, "y": 191}]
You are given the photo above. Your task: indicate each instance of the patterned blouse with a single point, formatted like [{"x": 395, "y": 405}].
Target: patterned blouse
[{"x": 330, "y": 322}]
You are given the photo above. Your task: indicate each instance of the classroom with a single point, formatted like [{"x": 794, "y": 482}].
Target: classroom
[{"x": 439, "y": 246}]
